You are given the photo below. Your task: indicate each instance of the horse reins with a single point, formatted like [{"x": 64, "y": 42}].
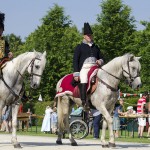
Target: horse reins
[
  {"x": 131, "y": 78},
  {"x": 1, "y": 77},
  {"x": 110, "y": 74}
]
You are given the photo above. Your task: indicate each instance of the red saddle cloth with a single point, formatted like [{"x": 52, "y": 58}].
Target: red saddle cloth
[{"x": 65, "y": 86}]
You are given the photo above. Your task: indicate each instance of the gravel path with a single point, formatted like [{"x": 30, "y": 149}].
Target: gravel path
[{"x": 48, "y": 143}]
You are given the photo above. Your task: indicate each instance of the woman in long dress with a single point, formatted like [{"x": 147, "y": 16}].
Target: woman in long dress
[{"x": 46, "y": 125}]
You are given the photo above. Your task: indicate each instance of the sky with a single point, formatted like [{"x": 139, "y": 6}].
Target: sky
[{"x": 23, "y": 16}]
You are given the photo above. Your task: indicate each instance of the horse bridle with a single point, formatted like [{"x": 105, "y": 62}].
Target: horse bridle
[
  {"x": 130, "y": 77},
  {"x": 32, "y": 64},
  {"x": 31, "y": 75}
]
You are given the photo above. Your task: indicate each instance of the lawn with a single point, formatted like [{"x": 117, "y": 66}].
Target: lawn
[{"x": 124, "y": 137}]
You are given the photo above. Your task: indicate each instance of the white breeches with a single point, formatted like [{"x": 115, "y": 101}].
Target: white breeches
[{"x": 84, "y": 72}]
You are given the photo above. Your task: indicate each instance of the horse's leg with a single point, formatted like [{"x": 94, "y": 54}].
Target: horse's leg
[
  {"x": 63, "y": 111},
  {"x": 60, "y": 120},
  {"x": 109, "y": 123},
  {"x": 14, "y": 126},
  {"x": 111, "y": 133},
  {"x": 103, "y": 135},
  {"x": 67, "y": 113},
  {"x": 1, "y": 116},
  {"x": 1, "y": 109}
]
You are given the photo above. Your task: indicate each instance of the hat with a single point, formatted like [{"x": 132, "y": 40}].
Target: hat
[
  {"x": 129, "y": 107},
  {"x": 87, "y": 29},
  {"x": 2, "y": 18}
]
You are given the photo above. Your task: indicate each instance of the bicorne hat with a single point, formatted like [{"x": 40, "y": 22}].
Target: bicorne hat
[
  {"x": 87, "y": 29},
  {"x": 2, "y": 18}
]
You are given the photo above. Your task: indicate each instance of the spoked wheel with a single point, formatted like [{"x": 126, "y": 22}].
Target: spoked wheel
[{"x": 78, "y": 129}]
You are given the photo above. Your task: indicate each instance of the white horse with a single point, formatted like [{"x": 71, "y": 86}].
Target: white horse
[
  {"x": 11, "y": 83},
  {"x": 103, "y": 98}
]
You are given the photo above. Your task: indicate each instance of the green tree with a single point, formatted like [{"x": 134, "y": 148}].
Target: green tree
[
  {"x": 142, "y": 49},
  {"x": 58, "y": 38},
  {"x": 114, "y": 29},
  {"x": 15, "y": 43}
]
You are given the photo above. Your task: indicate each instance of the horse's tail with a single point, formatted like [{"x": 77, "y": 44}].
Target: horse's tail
[
  {"x": 63, "y": 112},
  {"x": 61, "y": 125}
]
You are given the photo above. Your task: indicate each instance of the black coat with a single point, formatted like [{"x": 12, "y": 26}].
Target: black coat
[{"x": 82, "y": 52}]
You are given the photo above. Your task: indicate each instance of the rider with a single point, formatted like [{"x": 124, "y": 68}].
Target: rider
[
  {"x": 86, "y": 55},
  {"x": 4, "y": 46}
]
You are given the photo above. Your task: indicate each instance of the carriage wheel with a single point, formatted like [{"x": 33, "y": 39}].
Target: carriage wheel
[{"x": 79, "y": 129}]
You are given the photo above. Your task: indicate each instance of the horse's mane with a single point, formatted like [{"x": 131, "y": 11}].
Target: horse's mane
[
  {"x": 123, "y": 59},
  {"x": 38, "y": 54}
]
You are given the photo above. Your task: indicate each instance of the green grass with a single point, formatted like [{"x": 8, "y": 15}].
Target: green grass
[{"x": 32, "y": 132}]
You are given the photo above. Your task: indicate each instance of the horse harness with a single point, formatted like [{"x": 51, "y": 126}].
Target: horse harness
[{"x": 131, "y": 77}]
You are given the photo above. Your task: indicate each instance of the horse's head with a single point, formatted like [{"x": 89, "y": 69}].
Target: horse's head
[
  {"x": 131, "y": 70},
  {"x": 36, "y": 68}
]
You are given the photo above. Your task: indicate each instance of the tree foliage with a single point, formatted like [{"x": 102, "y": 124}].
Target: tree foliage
[
  {"x": 58, "y": 38},
  {"x": 114, "y": 29}
]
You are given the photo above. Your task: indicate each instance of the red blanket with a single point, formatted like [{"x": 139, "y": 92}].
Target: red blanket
[{"x": 65, "y": 86}]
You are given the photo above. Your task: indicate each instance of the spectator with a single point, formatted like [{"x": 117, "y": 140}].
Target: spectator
[
  {"x": 20, "y": 110},
  {"x": 19, "y": 122},
  {"x": 96, "y": 122},
  {"x": 130, "y": 111},
  {"x": 54, "y": 120},
  {"x": 130, "y": 125},
  {"x": 77, "y": 112},
  {"x": 116, "y": 120},
  {"x": 6, "y": 117},
  {"x": 140, "y": 110},
  {"x": 46, "y": 125},
  {"x": 148, "y": 133},
  {"x": 30, "y": 113}
]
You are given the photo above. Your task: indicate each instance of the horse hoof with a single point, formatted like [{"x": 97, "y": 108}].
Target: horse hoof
[
  {"x": 59, "y": 142},
  {"x": 105, "y": 146},
  {"x": 112, "y": 144},
  {"x": 17, "y": 146},
  {"x": 74, "y": 144}
]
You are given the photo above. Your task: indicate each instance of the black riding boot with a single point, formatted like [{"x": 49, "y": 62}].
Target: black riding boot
[{"x": 83, "y": 95}]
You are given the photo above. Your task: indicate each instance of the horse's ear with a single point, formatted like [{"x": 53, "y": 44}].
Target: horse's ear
[
  {"x": 131, "y": 57},
  {"x": 34, "y": 50},
  {"x": 44, "y": 54},
  {"x": 138, "y": 58}
]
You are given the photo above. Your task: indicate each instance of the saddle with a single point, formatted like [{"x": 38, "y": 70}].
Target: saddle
[
  {"x": 67, "y": 85},
  {"x": 93, "y": 85}
]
